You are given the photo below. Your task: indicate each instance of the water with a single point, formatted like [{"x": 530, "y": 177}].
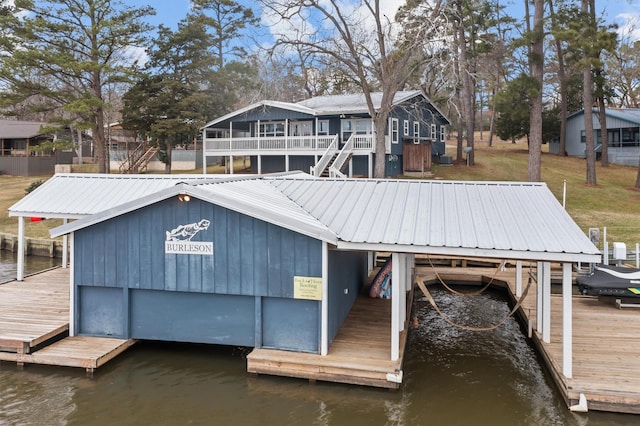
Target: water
[
  {"x": 32, "y": 265},
  {"x": 452, "y": 377}
]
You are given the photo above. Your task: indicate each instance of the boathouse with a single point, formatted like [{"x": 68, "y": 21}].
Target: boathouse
[
  {"x": 278, "y": 261},
  {"x": 331, "y": 135}
]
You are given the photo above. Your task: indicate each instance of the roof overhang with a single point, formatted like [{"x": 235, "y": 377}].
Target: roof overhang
[{"x": 474, "y": 252}]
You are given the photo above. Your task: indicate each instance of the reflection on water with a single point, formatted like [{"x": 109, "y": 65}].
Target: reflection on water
[
  {"x": 32, "y": 265},
  {"x": 452, "y": 377}
]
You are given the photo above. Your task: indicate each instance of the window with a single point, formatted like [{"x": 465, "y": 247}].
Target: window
[
  {"x": 394, "y": 130},
  {"x": 363, "y": 127},
  {"x": 406, "y": 127},
  {"x": 443, "y": 133},
  {"x": 323, "y": 127},
  {"x": 434, "y": 135},
  {"x": 583, "y": 136},
  {"x": 272, "y": 129}
]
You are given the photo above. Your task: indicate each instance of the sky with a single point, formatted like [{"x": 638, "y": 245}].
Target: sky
[{"x": 169, "y": 12}]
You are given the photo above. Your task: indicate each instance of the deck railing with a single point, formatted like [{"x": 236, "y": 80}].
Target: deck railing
[{"x": 275, "y": 143}]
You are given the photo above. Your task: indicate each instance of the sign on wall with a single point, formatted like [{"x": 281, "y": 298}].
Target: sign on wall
[
  {"x": 178, "y": 240},
  {"x": 309, "y": 288}
]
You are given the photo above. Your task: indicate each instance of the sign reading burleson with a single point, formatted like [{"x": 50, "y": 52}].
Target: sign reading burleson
[{"x": 178, "y": 240}]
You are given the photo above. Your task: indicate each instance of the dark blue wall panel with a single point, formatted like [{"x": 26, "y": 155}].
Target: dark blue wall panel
[
  {"x": 291, "y": 324},
  {"x": 101, "y": 311},
  {"x": 190, "y": 317},
  {"x": 347, "y": 271}
]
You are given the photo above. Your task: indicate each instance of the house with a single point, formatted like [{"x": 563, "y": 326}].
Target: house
[
  {"x": 277, "y": 261},
  {"x": 623, "y": 135},
  {"x": 17, "y": 155},
  {"x": 327, "y": 134}
]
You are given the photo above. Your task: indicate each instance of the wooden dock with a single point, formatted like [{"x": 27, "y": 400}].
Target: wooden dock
[
  {"x": 34, "y": 324},
  {"x": 360, "y": 354},
  {"x": 606, "y": 342}
]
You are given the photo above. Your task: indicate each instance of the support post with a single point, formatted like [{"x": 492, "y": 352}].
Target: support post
[
  {"x": 65, "y": 246},
  {"x": 518, "y": 279},
  {"x": 395, "y": 308},
  {"x": 402, "y": 269},
  {"x": 370, "y": 157},
  {"x": 567, "y": 322},
  {"x": 230, "y": 164},
  {"x": 539, "y": 307},
  {"x": 72, "y": 292},
  {"x": 259, "y": 159},
  {"x": 286, "y": 163},
  {"x": 324, "y": 334},
  {"x": 20, "y": 265},
  {"x": 546, "y": 303}
]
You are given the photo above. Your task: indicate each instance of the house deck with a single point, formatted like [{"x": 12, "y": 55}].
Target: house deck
[
  {"x": 606, "y": 347},
  {"x": 34, "y": 320},
  {"x": 360, "y": 354}
]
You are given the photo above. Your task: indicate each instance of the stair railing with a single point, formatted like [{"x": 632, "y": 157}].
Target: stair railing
[
  {"x": 322, "y": 164},
  {"x": 335, "y": 170}
]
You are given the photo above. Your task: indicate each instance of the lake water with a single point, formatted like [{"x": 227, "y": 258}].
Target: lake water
[{"x": 452, "y": 377}]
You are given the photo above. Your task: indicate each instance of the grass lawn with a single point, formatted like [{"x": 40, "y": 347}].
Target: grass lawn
[{"x": 614, "y": 203}]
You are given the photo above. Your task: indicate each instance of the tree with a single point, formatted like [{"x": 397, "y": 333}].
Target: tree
[
  {"x": 512, "y": 106},
  {"x": 65, "y": 52},
  {"x": 186, "y": 82},
  {"x": 362, "y": 43},
  {"x": 536, "y": 61}
]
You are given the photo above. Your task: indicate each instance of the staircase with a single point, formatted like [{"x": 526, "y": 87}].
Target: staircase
[
  {"x": 333, "y": 161},
  {"x": 138, "y": 159}
]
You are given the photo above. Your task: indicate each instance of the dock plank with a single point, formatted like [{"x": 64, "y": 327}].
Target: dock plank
[{"x": 36, "y": 311}]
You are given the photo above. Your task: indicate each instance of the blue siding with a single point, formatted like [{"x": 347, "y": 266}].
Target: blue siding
[
  {"x": 101, "y": 311},
  {"x": 291, "y": 324},
  {"x": 251, "y": 257},
  {"x": 126, "y": 285},
  {"x": 195, "y": 318},
  {"x": 347, "y": 270}
]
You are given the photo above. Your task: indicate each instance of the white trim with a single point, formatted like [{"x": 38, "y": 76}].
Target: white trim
[
  {"x": 472, "y": 252},
  {"x": 20, "y": 266},
  {"x": 395, "y": 307},
  {"x": 546, "y": 302},
  {"x": 539, "y": 301},
  {"x": 72, "y": 293},
  {"x": 395, "y": 140},
  {"x": 324, "y": 331},
  {"x": 405, "y": 127},
  {"x": 518, "y": 278},
  {"x": 567, "y": 321},
  {"x": 65, "y": 246}
]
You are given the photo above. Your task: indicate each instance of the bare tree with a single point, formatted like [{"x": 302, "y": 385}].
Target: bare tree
[
  {"x": 536, "y": 60},
  {"x": 364, "y": 42}
]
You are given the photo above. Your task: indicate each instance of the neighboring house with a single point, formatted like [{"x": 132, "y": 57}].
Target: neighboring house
[
  {"x": 17, "y": 156},
  {"x": 130, "y": 152},
  {"x": 623, "y": 135},
  {"x": 328, "y": 134},
  {"x": 278, "y": 261}
]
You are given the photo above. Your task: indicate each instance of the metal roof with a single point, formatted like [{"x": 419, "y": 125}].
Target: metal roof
[
  {"x": 252, "y": 197},
  {"x": 76, "y": 195},
  {"x": 352, "y": 103},
  {"x": 509, "y": 220},
  {"x": 501, "y": 219},
  {"x": 631, "y": 115},
  {"x": 329, "y": 105},
  {"x": 14, "y": 129}
]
